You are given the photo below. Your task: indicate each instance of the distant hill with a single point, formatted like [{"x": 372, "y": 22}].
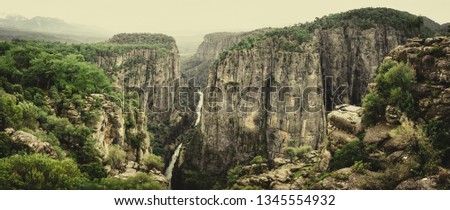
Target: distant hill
[
  {"x": 445, "y": 28},
  {"x": 47, "y": 28}
]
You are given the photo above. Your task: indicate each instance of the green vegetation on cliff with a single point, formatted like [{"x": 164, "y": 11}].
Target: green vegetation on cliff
[
  {"x": 41, "y": 84},
  {"x": 394, "y": 84},
  {"x": 290, "y": 38}
]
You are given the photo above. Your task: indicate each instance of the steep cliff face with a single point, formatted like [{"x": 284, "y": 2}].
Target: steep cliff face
[
  {"x": 430, "y": 58},
  {"x": 236, "y": 134},
  {"x": 332, "y": 65},
  {"x": 391, "y": 156},
  {"x": 196, "y": 66},
  {"x": 213, "y": 44},
  {"x": 142, "y": 68},
  {"x": 349, "y": 57}
]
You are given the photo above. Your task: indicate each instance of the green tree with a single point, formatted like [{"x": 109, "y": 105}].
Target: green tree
[
  {"x": 419, "y": 21},
  {"x": 258, "y": 160},
  {"x": 349, "y": 154},
  {"x": 39, "y": 172},
  {"x": 139, "y": 182},
  {"x": 374, "y": 108},
  {"x": 290, "y": 152},
  {"x": 153, "y": 161},
  {"x": 233, "y": 175},
  {"x": 394, "y": 85},
  {"x": 10, "y": 114},
  {"x": 116, "y": 157}
]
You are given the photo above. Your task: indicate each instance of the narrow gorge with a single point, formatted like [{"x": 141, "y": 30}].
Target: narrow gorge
[{"x": 325, "y": 104}]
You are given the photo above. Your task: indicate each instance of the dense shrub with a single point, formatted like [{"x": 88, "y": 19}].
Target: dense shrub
[
  {"x": 116, "y": 157},
  {"x": 349, "y": 154},
  {"x": 152, "y": 161},
  {"x": 374, "y": 108},
  {"x": 233, "y": 175},
  {"x": 394, "y": 84},
  {"x": 10, "y": 114},
  {"x": 140, "y": 181},
  {"x": 8, "y": 147},
  {"x": 438, "y": 131},
  {"x": 94, "y": 170},
  {"x": 258, "y": 160},
  {"x": 197, "y": 180},
  {"x": 299, "y": 152},
  {"x": 416, "y": 140},
  {"x": 290, "y": 152},
  {"x": 36, "y": 172}
]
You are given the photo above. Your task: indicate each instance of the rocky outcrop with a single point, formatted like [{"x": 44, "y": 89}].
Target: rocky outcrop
[
  {"x": 332, "y": 59},
  {"x": 31, "y": 142},
  {"x": 439, "y": 181},
  {"x": 286, "y": 174},
  {"x": 215, "y": 43},
  {"x": 346, "y": 118},
  {"x": 196, "y": 67},
  {"x": 151, "y": 73},
  {"x": 235, "y": 134},
  {"x": 344, "y": 124},
  {"x": 110, "y": 126},
  {"x": 350, "y": 57},
  {"x": 430, "y": 58}
]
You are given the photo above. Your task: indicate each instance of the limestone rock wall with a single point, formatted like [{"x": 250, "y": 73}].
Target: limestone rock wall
[{"x": 342, "y": 56}]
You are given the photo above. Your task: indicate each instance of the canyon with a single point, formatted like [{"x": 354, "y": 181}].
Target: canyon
[{"x": 272, "y": 108}]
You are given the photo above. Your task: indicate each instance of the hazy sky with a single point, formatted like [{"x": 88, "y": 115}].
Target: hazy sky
[{"x": 189, "y": 17}]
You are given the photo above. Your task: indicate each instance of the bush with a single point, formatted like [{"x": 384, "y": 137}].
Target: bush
[
  {"x": 406, "y": 132},
  {"x": 303, "y": 150},
  {"x": 258, "y": 160},
  {"x": 300, "y": 152},
  {"x": 38, "y": 172},
  {"x": 374, "y": 108},
  {"x": 348, "y": 155},
  {"x": 233, "y": 175},
  {"x": 197, "y": 180},
  {"x": 10, "y": 113},
  {"x": 94, "y": 170},
  {"x": 394, "y": 84},
  {"x": 116, "y": 157},
  {"x": 30, "y": 114},
  {"x": 415, "y": 138},
  {"x": 290, "y": 152},
  {"x": 360, "y": 167},
  {"x": 8, "y": 147},
  {"x": 139, "y": 182},
  {"x": 248, "y": 187},
  {"x": 439, "y": 133},
  {"x": 153, "y": 161}
]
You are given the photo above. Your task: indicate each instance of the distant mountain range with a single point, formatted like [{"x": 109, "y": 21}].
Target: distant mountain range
[{"x": 47, "y": 28}]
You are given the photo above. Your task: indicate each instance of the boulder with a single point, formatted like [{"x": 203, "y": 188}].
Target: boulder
[
  {"x": 393, "y": 115},
  {"x": 346, "y": 118},
  {"x": 30, "y": 141},
  {"x": 325, "y": 159},
  {"x": 377, "y": 134},
  {"x": 417, "y": 184}
]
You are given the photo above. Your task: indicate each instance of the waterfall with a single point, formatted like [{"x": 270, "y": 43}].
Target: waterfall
[
  {"x": 172, "y": 164},
  {"x": 199, "y": 108},
  {"x": 175, "y": 155}
]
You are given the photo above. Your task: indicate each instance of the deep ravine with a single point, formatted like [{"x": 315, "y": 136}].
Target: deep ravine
[{"x": 169, "y": 170}]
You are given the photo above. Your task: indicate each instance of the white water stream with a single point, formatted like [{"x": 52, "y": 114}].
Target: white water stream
[
  {"x": 198, "y": 110},
  {"x": 172, "y": 164},
  {"x": 175, "y": 155}
]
